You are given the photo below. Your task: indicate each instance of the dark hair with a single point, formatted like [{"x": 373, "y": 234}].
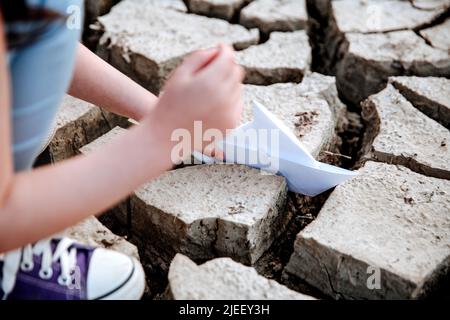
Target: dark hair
[{"x": 18, "y": 11}]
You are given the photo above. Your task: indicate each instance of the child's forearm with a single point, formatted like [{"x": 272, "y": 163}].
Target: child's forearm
[
  {"x": 6, "y": 161},
  {"x": 97, "y": 82},
  {"x": 49, "y": 199}
]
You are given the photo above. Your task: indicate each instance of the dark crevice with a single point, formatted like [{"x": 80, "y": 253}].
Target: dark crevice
[
  {"x": 90, "y": 37},
  {"x": 408, "y": 162},
  {"x": 233, "y": 20},
  {"x": 237, "y": 14},
  {"x": 336, "y": 293},
  {"x": 439, "y": 19},
  {"x": 186, "y": 3},
  {"x": 106, "y": 119},
  {"x": 129, "y": 216},
  {"x": 423, "y": 38},
  {"x": 300, "y": 285},
  {"x": 327, "y": 51},
  {"x": 304, "y": 210},
  {"x": 432, "y": 109},
  {"x": 303, "y": 285},
  {"x": 43, "y": 159},
  {"x": 352, "y": 137},
  {"x": 213, "y": 247},
  {"x": 330, "y": 282},
  {"x": 257, "y": 77},
  {"x": 326, "y": 63},
  {"x": 109, "y": 220},
  {"x": 353, "y": 134},
  {"x": 317, "y": 30},
  {"x": 436, "y": 21},
  {"x": 419, "y": 8},
  {"x": 263, "y": 37},
  {"x": 85, "y": 139}
]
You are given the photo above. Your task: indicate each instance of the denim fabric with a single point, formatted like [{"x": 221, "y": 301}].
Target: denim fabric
[{"x": 40, "y": 76}]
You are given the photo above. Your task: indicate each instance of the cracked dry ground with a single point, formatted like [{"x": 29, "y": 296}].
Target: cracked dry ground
[{"x": 363, "y": 85}]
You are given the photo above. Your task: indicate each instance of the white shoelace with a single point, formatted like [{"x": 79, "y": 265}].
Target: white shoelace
[{"x": 23, "y": 259}]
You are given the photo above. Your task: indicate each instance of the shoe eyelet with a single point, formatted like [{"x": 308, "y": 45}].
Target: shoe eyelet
[
  {"x": 26, "y": 266},
  {"x": 63, "y": 281},
  {"x": 46, "y": 273}
]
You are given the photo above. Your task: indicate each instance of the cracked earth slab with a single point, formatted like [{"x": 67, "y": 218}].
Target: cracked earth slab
[
  {"x": 438, "y": 36},
  {"x": 275, "y": 15},
  {"x": 77, "y": 123},
  {"x": 147, "y": 42},
  {"x": 399, "y": 133},
  {"x": 92, "y": 232},
  {"x": 405, "y": 236},
  {"x": 223, "y": 279},
  {"x": 97, "y": 8},
  {"x": 431, "y": 95},
  {"x": 371, "y": 16},
  {"x": 177, "y": 5},
  {"x": 223, "y": 9},
  {"x": 316, "y": 84},
  {"x": 285, "y": 57},
  {"x": 211, "y": 210},
  {"x": 370, "y": 59}
]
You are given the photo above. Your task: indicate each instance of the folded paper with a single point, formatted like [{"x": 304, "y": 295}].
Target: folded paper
[{"x": 266, "y": 143}]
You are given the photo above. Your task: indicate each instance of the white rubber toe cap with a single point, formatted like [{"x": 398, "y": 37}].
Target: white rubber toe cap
[{"x": 113, "y": 275}]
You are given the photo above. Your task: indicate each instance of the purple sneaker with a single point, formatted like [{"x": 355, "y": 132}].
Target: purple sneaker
[{"x": 60, "y": 269}]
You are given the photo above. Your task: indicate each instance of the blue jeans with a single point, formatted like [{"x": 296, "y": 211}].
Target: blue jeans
[{"x": 40, "y": 76}]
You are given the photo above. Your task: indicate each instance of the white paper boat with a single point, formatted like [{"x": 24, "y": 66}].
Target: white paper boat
[{"x": 303, "y": 173}]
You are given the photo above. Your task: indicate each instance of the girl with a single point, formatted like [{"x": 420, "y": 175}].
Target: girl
[{"x": 41, "y": 60}]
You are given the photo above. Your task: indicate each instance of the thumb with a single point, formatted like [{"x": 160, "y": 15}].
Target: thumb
[{"x": 198, "y": 60}]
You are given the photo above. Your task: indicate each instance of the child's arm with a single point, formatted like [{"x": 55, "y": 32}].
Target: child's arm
[
  {"x": 36, "y": 204},
  {"x": 6, "y": 163},
  {"x": 97, "y": 82},
  {"x": 46, "y": 200}
]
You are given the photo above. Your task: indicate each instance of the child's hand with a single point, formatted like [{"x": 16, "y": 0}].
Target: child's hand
[{"x": 206, "y": 87}]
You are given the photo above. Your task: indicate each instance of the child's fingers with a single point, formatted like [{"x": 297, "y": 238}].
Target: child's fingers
[
  {"x": 212, "y": 151},
  {"x": 236, "y": 74},
  {"x": 198, "y": 60},
  {"x": 236, "y": 99},
  {"x": 239, "y": 74},
  {"x": 234, "y": 79},
  {"x": 220, "y": 67},
  {"x": 236, "y": 107}
]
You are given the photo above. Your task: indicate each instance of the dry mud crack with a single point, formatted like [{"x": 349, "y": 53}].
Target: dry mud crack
[{"x": 388, "y": 60}]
